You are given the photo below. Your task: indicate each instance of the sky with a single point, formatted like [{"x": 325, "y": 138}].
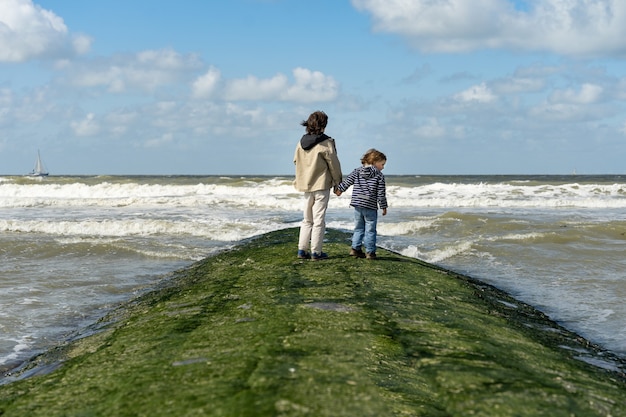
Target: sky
[{"x": 208, "y": 87}]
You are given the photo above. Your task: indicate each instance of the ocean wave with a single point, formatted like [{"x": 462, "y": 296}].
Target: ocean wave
[
  {"x": 440, "y": 254},
  {"x": 508, "y": 195},
  {"x": 22, "y": 344},
  {"x": 217, "y": 230},
  {"x": 278, "y": 193}
]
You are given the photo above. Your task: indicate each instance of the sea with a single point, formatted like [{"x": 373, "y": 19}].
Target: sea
[{"x": 72, "y": 248}]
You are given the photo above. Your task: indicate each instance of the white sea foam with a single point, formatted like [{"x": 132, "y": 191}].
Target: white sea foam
[
  {"x": 516, "y": 237},
  {"x": 227, "y": 231},
  {"x": 22, "y": 344},
  {"x": 281, "y": 195},
  {"x": 507, "y": 195},
  {"x": 449, "y": 252},
  {"x": 262, "y": 195},
  {"x": 405, "y": 227}
]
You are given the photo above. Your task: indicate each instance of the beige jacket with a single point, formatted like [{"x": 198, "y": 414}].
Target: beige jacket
[{"x": 317, "y": 168}]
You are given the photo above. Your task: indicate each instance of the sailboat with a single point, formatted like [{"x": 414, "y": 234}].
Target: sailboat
[{"x": 40, "y": 169}]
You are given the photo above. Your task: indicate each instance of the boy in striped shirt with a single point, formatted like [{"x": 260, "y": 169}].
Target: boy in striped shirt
[{"x": 368, "y": 194}]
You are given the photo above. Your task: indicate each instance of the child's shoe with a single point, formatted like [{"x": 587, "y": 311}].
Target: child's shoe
[
  {"x": 302, "y": 254},
  {"x": 357, "y": 253},
  {"x": 319, "y": 256},
  {"x": 371, "y": 255}
]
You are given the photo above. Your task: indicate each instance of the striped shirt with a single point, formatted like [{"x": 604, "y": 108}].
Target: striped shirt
[{"x": 369, "y": 188}]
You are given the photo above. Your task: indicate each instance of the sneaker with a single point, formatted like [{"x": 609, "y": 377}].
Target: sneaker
[
  {"x": 302, "y": 254},
  {"x": 371, "y": 255},
  {"x": 319, "y": 256},
  {"x": 357, "y": 253}
]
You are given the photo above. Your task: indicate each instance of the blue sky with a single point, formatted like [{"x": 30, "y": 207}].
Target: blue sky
[{"x": 220, "y": 87}]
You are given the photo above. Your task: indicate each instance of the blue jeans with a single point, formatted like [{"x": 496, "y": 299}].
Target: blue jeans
[{"x": 365, "y": 229}]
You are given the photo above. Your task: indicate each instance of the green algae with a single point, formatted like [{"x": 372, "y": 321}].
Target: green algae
[{"x": 256, "y": 332}]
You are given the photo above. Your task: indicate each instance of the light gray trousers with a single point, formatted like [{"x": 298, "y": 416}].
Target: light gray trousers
[{"x": 314, "y": 222}]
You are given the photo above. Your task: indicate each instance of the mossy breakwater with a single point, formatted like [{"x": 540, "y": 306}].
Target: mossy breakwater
[{"x": 256, "y": 332}]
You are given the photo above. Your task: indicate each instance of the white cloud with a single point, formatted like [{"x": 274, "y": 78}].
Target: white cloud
[
  {"x": 307, "y": 87},
  {"x": 24, "y": 108},
  {"x": 431, "y": 129},
  {"x": 311, "y": 86},
  {"x": 151, "y": 70},
  {"x": 253, "y": 88},
  {"x": 477, "y": 93},
  {"x": 577, "y": 27},
  {"x": 144, "y": 71},
  {"x": 517, "y": 85},
  {"x": 620, "y": 89},
  {"x": 6, "y": 106},
  {"x": 574, "y": 105},
  {"x": 158, "y": 142},
  {"x": 588, "y": 94},
  {"x": 167, "y": 59},
  {"x": 81, "y": 43},
  {"x": 206, "y": 84},
  {"x": 29, "y": 32},
  {"x": 88, "y": 126},
  {"x": 119, "y": 121},
  {"x": 559, "y": 112}
]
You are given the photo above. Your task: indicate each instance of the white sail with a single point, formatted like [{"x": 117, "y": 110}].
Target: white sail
[{"x": 40, "y": 169}]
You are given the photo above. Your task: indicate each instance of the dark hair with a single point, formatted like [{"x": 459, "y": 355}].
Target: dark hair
[
  {"x": 316, "y": 123},
  {"x": 372, "y": 156}
]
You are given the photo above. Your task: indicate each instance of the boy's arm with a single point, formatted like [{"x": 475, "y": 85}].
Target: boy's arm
[
  {"x": 347, "y": 182},
  {"x": 382, "y": 195}
]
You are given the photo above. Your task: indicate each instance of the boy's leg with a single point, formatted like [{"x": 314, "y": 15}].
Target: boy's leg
[
  {"x": 359, "y": 228},
  {"x": 304, "y": 241},
  {"x": 319, "y": 219},
  {"x": 369, "y": 240}
]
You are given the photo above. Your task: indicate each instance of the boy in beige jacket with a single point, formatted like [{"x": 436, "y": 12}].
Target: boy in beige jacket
[{"x": 317, "y": 171}]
